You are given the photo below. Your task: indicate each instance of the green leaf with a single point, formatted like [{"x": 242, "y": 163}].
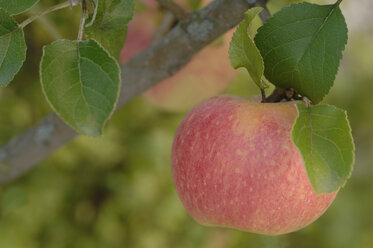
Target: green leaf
[
  {"x": 302, "y": 47},
  {"x": 12, "y": 48},
  {"x": 110, "y": 25},
  {"x": 81, "y": 82},
  {"x": 244, "y": 53},
  {"x": 322, "y": 134},
  {"x": 15, "y": 7}
]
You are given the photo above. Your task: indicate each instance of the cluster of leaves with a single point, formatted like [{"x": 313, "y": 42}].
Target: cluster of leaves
[
  {"x": 80, "y": 78},
  {"x": 300, "y": 47}
]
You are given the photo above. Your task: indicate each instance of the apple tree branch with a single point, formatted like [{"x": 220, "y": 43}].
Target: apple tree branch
[{"x": 160, "y": 61}]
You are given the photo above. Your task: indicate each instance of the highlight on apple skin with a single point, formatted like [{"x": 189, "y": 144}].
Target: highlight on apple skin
[
  {"x": 208, "y": 74},
  {"x": 234, "y": 165}
]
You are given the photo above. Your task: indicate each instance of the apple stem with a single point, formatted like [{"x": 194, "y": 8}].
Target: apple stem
[
  {"x": 263, "y": 94},
  {"x": 280, "y": 94}
]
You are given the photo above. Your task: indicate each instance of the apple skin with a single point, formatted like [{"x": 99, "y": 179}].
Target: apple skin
[
  {"x": 234, "y": 165},
  {"x": 209, "y": 73}
]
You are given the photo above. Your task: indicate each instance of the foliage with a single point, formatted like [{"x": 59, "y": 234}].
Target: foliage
[
  {"x": 244, "y": 53},
  {"x": 301, "y": 46},
  {"x": 81, "y": 82},
  {"x": 85, "y": 87},
  {"x": 15, "y": 7},
  {"x": 110, "y": 25},
  {"x": 323, "y": 135},
  {"x": 12, "y": 48},
  {"x": 116, "y": 191}
]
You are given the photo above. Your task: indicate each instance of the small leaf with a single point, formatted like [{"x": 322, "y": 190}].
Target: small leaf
[
  {"x": 244, "y": 53},
  {"x": 81, "y": 82},
  {"x": 15, "y": 7},
  {"x": 110, "y": 25},
  {"x": 117, "y": 14},
  {"x": 322, "y": 134},
  {"x": 12, "y": 48},
  {"x": 302, "y": 47}
]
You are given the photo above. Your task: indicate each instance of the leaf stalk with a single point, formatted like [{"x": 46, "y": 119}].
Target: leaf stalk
[
  {"x": 82, "y": 20},
  {"x": 43, "y": 13}
]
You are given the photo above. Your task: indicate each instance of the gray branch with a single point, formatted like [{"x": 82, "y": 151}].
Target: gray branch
[
  {"x": 158, "y": 62},
  {"x": 179, "y": 12}
]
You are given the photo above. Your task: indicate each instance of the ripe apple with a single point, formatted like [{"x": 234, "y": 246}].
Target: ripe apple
[
  {"x": 234, "y": 165},
  {"x": 208, "y": 74}
]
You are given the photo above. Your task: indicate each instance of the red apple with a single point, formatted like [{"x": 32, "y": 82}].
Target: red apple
[
  {"x": 208, "y": 74},
  {"x": 234, "y": 165}
]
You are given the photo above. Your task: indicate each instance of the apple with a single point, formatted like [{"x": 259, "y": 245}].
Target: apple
[
  {"x": 234, "y": 165},
  {"x": 208, "y": 74}
]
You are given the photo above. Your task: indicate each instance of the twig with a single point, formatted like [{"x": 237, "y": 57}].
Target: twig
[
  {"x": 263, "y": 93},
  {"x": 95, "y": 9},
  {"x": 82, "y": 20},
  {"x": 45, "y": 12},
  {"x": 74, "y": 2},
  {"x": 144, "y": 70},
  {"x": 179, "y": 12},
  {"x": 46, "y": 23},
  {"x": 166, "y": 25}
]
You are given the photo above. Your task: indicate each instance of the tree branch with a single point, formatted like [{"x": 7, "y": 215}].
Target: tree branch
[
  {"x": 179, "y": 12},
  {"x": 265, "y": 14},
  {"x": 144, "y": 70},
  {"x": 168, "y": 21}
]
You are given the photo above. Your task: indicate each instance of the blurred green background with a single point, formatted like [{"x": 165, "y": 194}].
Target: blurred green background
[{"x": 117, "y": 191}]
